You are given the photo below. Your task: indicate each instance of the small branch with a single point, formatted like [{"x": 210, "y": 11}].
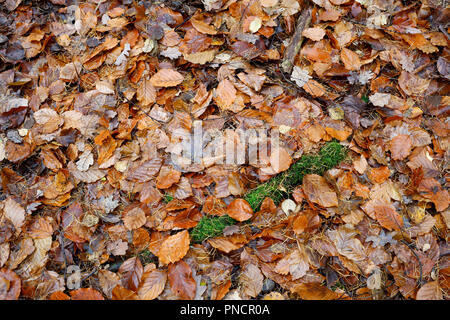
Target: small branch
[{"x": 296, "y": 42}]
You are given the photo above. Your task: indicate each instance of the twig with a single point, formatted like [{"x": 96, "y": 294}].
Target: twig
[
  {"x": 419, "y": 281},
  {"x": 296, "y": 42}
]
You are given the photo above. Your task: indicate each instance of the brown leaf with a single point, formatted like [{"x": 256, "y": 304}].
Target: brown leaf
[
  {"x": 228, "y": 244},
  {"x": 315, "y": 34},
  {"x": 296, "y": 263},
  {"x": 40, "y": 229},
  {"x": 350, "y": 59},
  {"x": 17, "y": 152},
  {"x": 203, "y": 27},
  {"x": 431, "y": 189},
  {"x": 317, "y": 190},
  {"x": 152, "y": 284},
  {"x": 306, "y": 221},
  {"x": 412, "y": 84},
  {"x": 378, "y": 175},
  {"x": 201, "y": 57},
  {"x": 174, "y": 247},
  {"x": 14, "y": 212},
  {"x": 131, "y": 271},
  {"x": 121, "y": 293},
  {"x": 146, "y": 93},
  {"x": 429, "y": 291},
  {"x": 10, "y": 285},
  {"x": 240, "y": 210},
  {"x": 108, "y": 280},
  {"x": 181, "y": 281},
  {"x": 400, "y": 147},
  {"x": 144, "y": 171},
  {"x": 167, "y": 177},
  {"x": 225, "y": 94},
  {"x": 86, "y": 294},
  {"x": 251, "y": 280},
  {"x": 360, "y": 164},
  {"x": 166, "y": 78},
  {"x": 314, "y": 291},
  {"x": 280, "y": 160},
  {"x": 134, "y": 218},
  {"x": 388, "y": 217}
]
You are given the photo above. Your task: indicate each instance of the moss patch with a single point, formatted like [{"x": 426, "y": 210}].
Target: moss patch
[
  {"x": 277, "y": 188},
  {"x": 210, "y": 227},
  {"x": 280, "y": 186}
]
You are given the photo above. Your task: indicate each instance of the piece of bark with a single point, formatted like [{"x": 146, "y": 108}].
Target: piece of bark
[{"x": 296, "y": 42}]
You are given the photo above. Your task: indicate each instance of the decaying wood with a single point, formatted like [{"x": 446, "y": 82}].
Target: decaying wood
[{"x": 296, "y": 42}]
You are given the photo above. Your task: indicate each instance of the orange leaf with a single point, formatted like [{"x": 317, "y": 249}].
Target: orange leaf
[
  {"x": 306, "y": 221},
  {"x": 181, "y": 281},
  {"x": 40, "y": 229},
  {"x": 59, "y": 295},
  {"x": 202, "y": 27},
  {"x": 86, "y": 294},
  {"x": 340, "y": 134},
  {"x": 379, "y": 175},
  {"x": 121, "y": 293},
  {"x": 388, "y": 217},
  {"x": 146, "y": 93},
  {"x": 314, "y": 291},
  {"x": 134, "y": 218},
  {"x": 225, "y": 94},
  {"x": 314, "y": 88},
  {"x": 350, "y": 59},
  {"x": 317, "y": 190},
  {"x": 166, "y": 78},
  {"x": 280, "y": 160},
  {"x": 240, "y": 210},
  {"x": 167, "y": 177},
  {"x": 152, "y": 284},
  {"x": 174, "y": 248}
]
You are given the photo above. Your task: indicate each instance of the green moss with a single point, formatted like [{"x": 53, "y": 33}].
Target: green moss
[
  {"x": 210, "y": 227},
  {"x": 167, "y": 198},
  {"x": 147, "y": 257},
  {"x": 280, "y": 186}
]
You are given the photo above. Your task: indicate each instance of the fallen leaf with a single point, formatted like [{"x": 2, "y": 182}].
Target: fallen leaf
[
  {"x": 152, "y": 284},
  {"x": 166, "y": 78},
  {"x": 86, "y": 294},
  {"x": 315, "y": 34},
  {"x": 240, "y": 210},
  {"x": 350, "y": 59},
  {"x": 429, "y": 291},
  {"x": 181, "y": 281},
  {"x": 318, "y": 191},
  {"x": 225, "y": 94},
  {"x": 174, "y": 248}
]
